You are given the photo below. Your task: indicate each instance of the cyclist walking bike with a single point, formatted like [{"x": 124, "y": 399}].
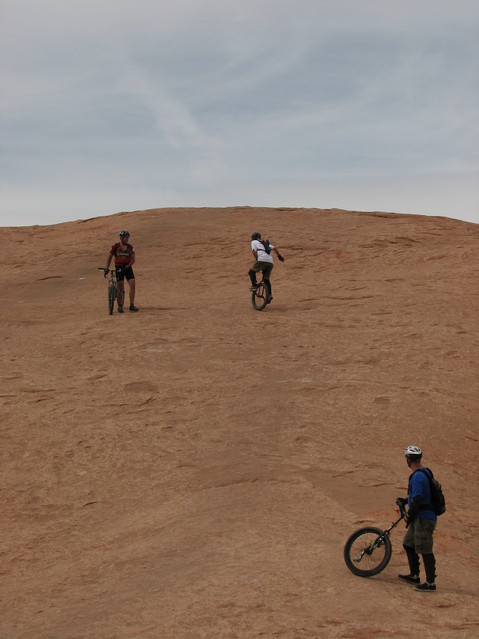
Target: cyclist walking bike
[{"x": 124, "y": 255}]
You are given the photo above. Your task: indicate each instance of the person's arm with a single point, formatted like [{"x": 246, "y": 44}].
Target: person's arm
[
  {"x": 132, "y": 260},
  {"x": 415, "y": 494},
  {"x": 280, "y": 257},
  {"x": 255, "y": 253},
  {"x": 414, "y": 508}
]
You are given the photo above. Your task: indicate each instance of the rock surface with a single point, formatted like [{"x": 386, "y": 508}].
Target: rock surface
[{"x": 193, "y": 470}]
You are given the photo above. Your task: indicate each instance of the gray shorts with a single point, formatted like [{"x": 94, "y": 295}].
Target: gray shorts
[
  {"x": 266, "y": 267},
  {"x": 419, "y": 535}
]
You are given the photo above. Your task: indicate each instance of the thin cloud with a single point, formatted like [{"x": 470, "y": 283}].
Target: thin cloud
[{"x": 132, "y": 104}]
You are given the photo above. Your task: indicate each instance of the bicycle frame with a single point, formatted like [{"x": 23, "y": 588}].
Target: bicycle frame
[
  {"x": 367, "y": 550},
  {"x": 377, "y": 542},
  {"x": 112, "y": 287},
  {"x": 112, "y": 279}
]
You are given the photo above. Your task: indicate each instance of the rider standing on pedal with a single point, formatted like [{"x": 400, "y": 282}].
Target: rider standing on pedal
[
  {"x": 263, "y": 263},
  {"x": 421, "y": 522},
  {"x": 124, "y": 255}
]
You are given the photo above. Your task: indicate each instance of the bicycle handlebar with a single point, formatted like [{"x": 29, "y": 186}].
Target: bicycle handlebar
[
  {"x": 401, "y": 503},
  {"x": 106, "y": 270}
]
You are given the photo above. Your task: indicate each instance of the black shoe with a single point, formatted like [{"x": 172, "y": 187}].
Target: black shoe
[
  {"x": 133, "y": 308},
  {"x": 426, "y": 587},
  {"x": 253, "y": 287},
  {"x": 269, "y": 300},
  {"x": 120, "y": 309},
  {"x": 411, "y": 579}
]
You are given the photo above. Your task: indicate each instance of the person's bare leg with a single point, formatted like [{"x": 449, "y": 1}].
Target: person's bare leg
[
  {"x": 121, "y": 294},
  {"x": 132, "y": 292}
]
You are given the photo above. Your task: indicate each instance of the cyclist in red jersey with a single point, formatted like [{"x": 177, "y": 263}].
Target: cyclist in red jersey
[{"x": 124, "y": 254}]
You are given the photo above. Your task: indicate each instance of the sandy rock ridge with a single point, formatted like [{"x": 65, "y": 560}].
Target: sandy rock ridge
[{"x": 194, "y": 470}]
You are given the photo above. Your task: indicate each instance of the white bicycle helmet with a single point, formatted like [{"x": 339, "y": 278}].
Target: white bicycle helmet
[{"x": 413, "y": 451}]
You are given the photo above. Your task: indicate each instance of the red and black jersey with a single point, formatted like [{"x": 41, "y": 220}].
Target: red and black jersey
[{"x": 122, "y": 253}]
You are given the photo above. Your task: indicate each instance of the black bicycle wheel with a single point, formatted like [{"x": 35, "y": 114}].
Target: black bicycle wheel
[
  {"x": 367, "y": 551},
  {"x": 111, "y": 297},
  {"x": 259, "y": 297}
]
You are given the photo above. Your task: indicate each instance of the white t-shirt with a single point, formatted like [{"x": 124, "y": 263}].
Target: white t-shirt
[{"x": 262, "y": 255}]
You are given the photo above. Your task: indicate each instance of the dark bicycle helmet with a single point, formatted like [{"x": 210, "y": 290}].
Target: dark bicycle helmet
[
  {"x": 256, "y": 236},
  {"x": 124, "y": 234}
]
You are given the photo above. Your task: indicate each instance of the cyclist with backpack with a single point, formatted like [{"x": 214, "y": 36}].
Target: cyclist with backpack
[
  {"x": 262, "y": 250},
  {"x": 421, "y": 521},
  {"x": 124, "y": 255}
]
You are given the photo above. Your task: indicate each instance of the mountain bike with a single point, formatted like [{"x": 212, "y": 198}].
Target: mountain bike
[
  {"x": 112, "y": 287},
  {"x": 260, "y": 296},
  {"x": 368, "y": 550}
]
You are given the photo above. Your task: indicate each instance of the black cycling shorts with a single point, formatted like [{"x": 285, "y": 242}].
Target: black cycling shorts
[{"x": 122, "y": 272}]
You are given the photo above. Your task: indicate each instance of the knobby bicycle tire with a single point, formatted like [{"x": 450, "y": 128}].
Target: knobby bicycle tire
[
  {"x": 111, "y": 297},
  {"x": 367, "y": 551},
  {"x": 259, "y": 297}
]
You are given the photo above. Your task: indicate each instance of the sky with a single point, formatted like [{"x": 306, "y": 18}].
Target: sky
[{"x": 123, "y": 105}]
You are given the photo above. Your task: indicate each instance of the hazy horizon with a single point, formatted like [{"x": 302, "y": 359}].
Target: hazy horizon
[{"x": 364, "y": 106}]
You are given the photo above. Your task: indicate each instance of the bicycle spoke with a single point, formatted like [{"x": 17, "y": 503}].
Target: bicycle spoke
[
  {"x": 367, "y": 551},
  {"x": 259, "y": 297}
]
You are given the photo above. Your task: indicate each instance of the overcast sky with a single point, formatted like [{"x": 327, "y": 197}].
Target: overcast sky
[{"x": 116, "y": 105}]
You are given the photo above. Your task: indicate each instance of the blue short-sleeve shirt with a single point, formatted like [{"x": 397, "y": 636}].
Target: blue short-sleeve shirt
[{"x": 419, "y": 486}]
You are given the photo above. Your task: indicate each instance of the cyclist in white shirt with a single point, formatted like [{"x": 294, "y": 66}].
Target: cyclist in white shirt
[{"x": 262, "y": 251}]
